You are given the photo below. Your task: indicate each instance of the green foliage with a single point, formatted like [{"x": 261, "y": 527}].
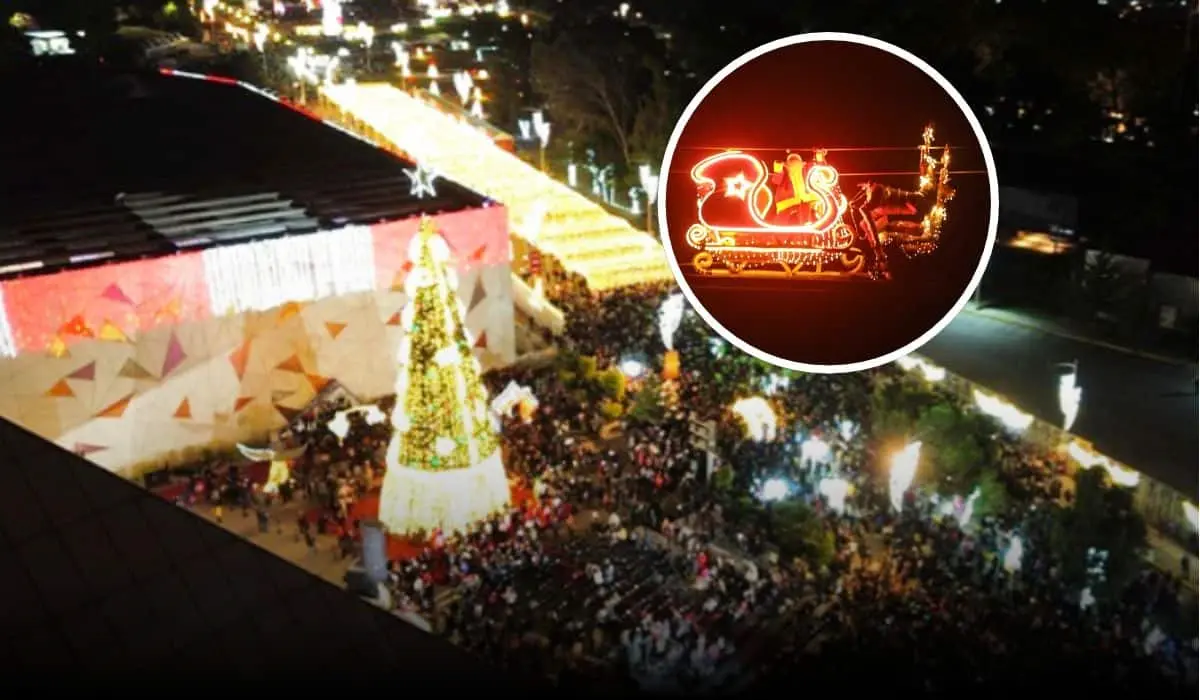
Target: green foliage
[
  {"x": 611, "y": 383},
  {"x": 611, "y": 410},
  {"x": 585, "y": 368},
  {"x": 799, "y": 533},
  {"x": 1100, "y": 517},
  {"x": 723, "y": 478},
  {"x": 993, "y": 495},
  {"x": 896, "y": 405},
  {"x": 647, "y": 402}
]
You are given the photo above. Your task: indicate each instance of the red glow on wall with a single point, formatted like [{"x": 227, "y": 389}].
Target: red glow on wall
[
  {"x": 113, "y": 302},
  {"x": 477, "y": 237}
]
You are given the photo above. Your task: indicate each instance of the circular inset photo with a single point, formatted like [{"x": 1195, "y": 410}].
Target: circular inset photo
[{"x": 828, "y": 202}]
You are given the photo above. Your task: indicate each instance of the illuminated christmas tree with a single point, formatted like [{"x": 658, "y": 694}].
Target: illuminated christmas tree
[{"x": 444, "y": 466}]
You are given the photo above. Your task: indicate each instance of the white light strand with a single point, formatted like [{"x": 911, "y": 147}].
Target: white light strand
[
  {"x": 8, "y": 344},
  {"x": 262, "y": 275}
]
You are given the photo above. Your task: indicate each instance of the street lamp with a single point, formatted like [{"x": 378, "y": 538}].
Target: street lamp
[
  {"x": 541, "y": 128},
  {"x": 477, "y": 104},
  {"x": 650, "y": 186}
]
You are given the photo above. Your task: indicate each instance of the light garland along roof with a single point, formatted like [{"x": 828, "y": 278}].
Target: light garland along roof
[{"x": 605, "y": 249}]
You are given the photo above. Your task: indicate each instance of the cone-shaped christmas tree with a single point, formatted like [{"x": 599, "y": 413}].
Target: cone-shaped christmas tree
[{"x": 444, "y": 467}]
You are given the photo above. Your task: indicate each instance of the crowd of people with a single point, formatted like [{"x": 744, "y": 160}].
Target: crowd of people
[{"x": 622, "y": 566}]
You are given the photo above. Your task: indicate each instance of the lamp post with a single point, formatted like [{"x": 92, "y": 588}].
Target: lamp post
[
  {"x": 1070, "y": 394},
  {"x": 650, "y": 186},
  {"x": 463, "y": 85},
  {"x": 541, "y": 128}
]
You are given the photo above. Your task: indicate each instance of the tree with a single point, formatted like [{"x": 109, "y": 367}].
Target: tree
[
  {"x": 800, "y": 534},
  {"x": 606, "y": 85},
  {"x": 647, "y": 402},
  {"x": 444, "y": 468},
  {"x": 1100, "y": 518}
]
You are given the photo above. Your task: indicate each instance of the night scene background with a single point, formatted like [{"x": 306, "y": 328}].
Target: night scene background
[
  {"x": 208, "y": 213},
  {"x": 867, "y": 108}
]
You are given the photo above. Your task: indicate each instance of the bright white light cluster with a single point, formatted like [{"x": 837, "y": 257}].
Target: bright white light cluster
[
  {"x": 1009, "y": 415},
  {"x": 1087, "y": 458},
  {"x": 903, "y": 472},
  {"x": 265, "y": 274},
  {"x": 605, "y": 249},
  {"x": 8, "y": 344},
  {"x": 1070, "y": 396},
  {"x": 670, "y": 315},
  {"x": 512, "y": 397},
  {"x": 759, "y": 418},
  {"x": 928, "y": 370}
]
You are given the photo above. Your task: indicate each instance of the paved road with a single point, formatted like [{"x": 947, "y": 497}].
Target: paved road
[{"x": 1138, "y": 410}]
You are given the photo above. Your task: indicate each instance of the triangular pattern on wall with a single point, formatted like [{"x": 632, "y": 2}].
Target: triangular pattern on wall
[
  {"x": 132, "y": 370},
  {"x": 398, "y": 280},
  {"x": 83, "y": 449},
  {"x": 58, "y": 348},
  {"x": 184, "y": 411},
  {"x": 114, "y": 293},
  {"x": 84, "y": 373},
  {"x": 169, "y": 313},
  {"x": 292, "y": 364},
  {"x": 317, "y": 381},
  {"x": 61, "y": 390},
  {"x": 116, "y": 409},
  {"x": 288, "y": 310},
  {"x": 394, "y": 320},
  {"x": 476, "y": 255},
  {"x": 242, "y": 402},
  {"x": 478, "y": 296},
  {"x": 335, "y": 329},
  {"x": 174, "y": 357},
  {"x": 77, "y": 326},
  {"x": 239, "y": 358},
  {"x": 111, "y": 332},
  {"x": 481, "y": 341},
  {"x": 289, "y": 414}
]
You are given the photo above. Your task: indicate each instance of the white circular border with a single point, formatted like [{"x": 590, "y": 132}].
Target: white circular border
[{"x": 984, "y": 147}]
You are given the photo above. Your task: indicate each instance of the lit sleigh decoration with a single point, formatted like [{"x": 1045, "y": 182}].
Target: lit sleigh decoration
[{"x": 794, "y": 221}]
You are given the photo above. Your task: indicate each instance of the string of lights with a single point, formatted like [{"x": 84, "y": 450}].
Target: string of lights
[{"x": 810, "y": 147}]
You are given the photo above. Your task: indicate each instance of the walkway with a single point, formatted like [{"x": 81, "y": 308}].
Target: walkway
[{"x": 606, "y": 250}]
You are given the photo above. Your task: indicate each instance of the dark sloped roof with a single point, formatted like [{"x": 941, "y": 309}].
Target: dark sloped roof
[
  {"x": 98, "y": 575},
  {"x": 102, "y": 167}
]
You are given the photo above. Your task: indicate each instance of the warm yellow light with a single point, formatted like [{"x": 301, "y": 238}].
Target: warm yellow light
[
  {"x": 1087, "y": 458},
  {"x": 903, "y": 472},
  {"x": 604, "y": 249},
  {"x": 758, "y": 417}
]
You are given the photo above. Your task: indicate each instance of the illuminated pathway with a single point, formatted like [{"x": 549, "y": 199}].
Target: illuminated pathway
[{"x": 606, "y": 250}]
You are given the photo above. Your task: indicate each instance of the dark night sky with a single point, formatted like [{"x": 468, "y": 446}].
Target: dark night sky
[{"x": 835, "y": 95}]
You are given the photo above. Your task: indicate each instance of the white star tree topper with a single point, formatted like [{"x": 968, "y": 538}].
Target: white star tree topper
[{"x": 421, "y": 181}]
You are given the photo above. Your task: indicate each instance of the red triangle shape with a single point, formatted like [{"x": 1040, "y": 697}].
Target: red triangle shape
[
  {"x": 175, "y": 356},
  {"x": 394, "y": 320},
  {"x": 317, "y": 381},
  {"x": 335, "y": 329},
  {"x": 477, "y": 254},
  {"x": 481, "y": 341},
  {"x": 85, "y": 373},
  {"x": 292, "y": 364},
  {"x": 84, "y": 449},
  {"x": 242, "y": 402}
]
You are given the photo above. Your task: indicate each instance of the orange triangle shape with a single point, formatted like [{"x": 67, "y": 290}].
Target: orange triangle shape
[
  {"x": 169, "y": 313},
  {"x": 394, "y": 320},
  {"x": 288, "y": 310},
  {"x": 292, "y": 364},
  {"x": 335, "y": 329},
  {"x": 184, "y": 411},
  {"x": 481, "y": 341},
  {"x": 110, "y": 331},
  {"x": 61, "y": 390},
  {"x": 318, "y": 382},
  {"x": 117, "y": 409},
  {"x": 239, "y": 358},
  {"x": 398, "y": 281},
  {"x": 242, "y": 402},
  {"x": 77, "y": 326}
]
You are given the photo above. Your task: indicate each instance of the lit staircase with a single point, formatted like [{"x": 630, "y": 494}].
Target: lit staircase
[{"x": 604, "y": 249}]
